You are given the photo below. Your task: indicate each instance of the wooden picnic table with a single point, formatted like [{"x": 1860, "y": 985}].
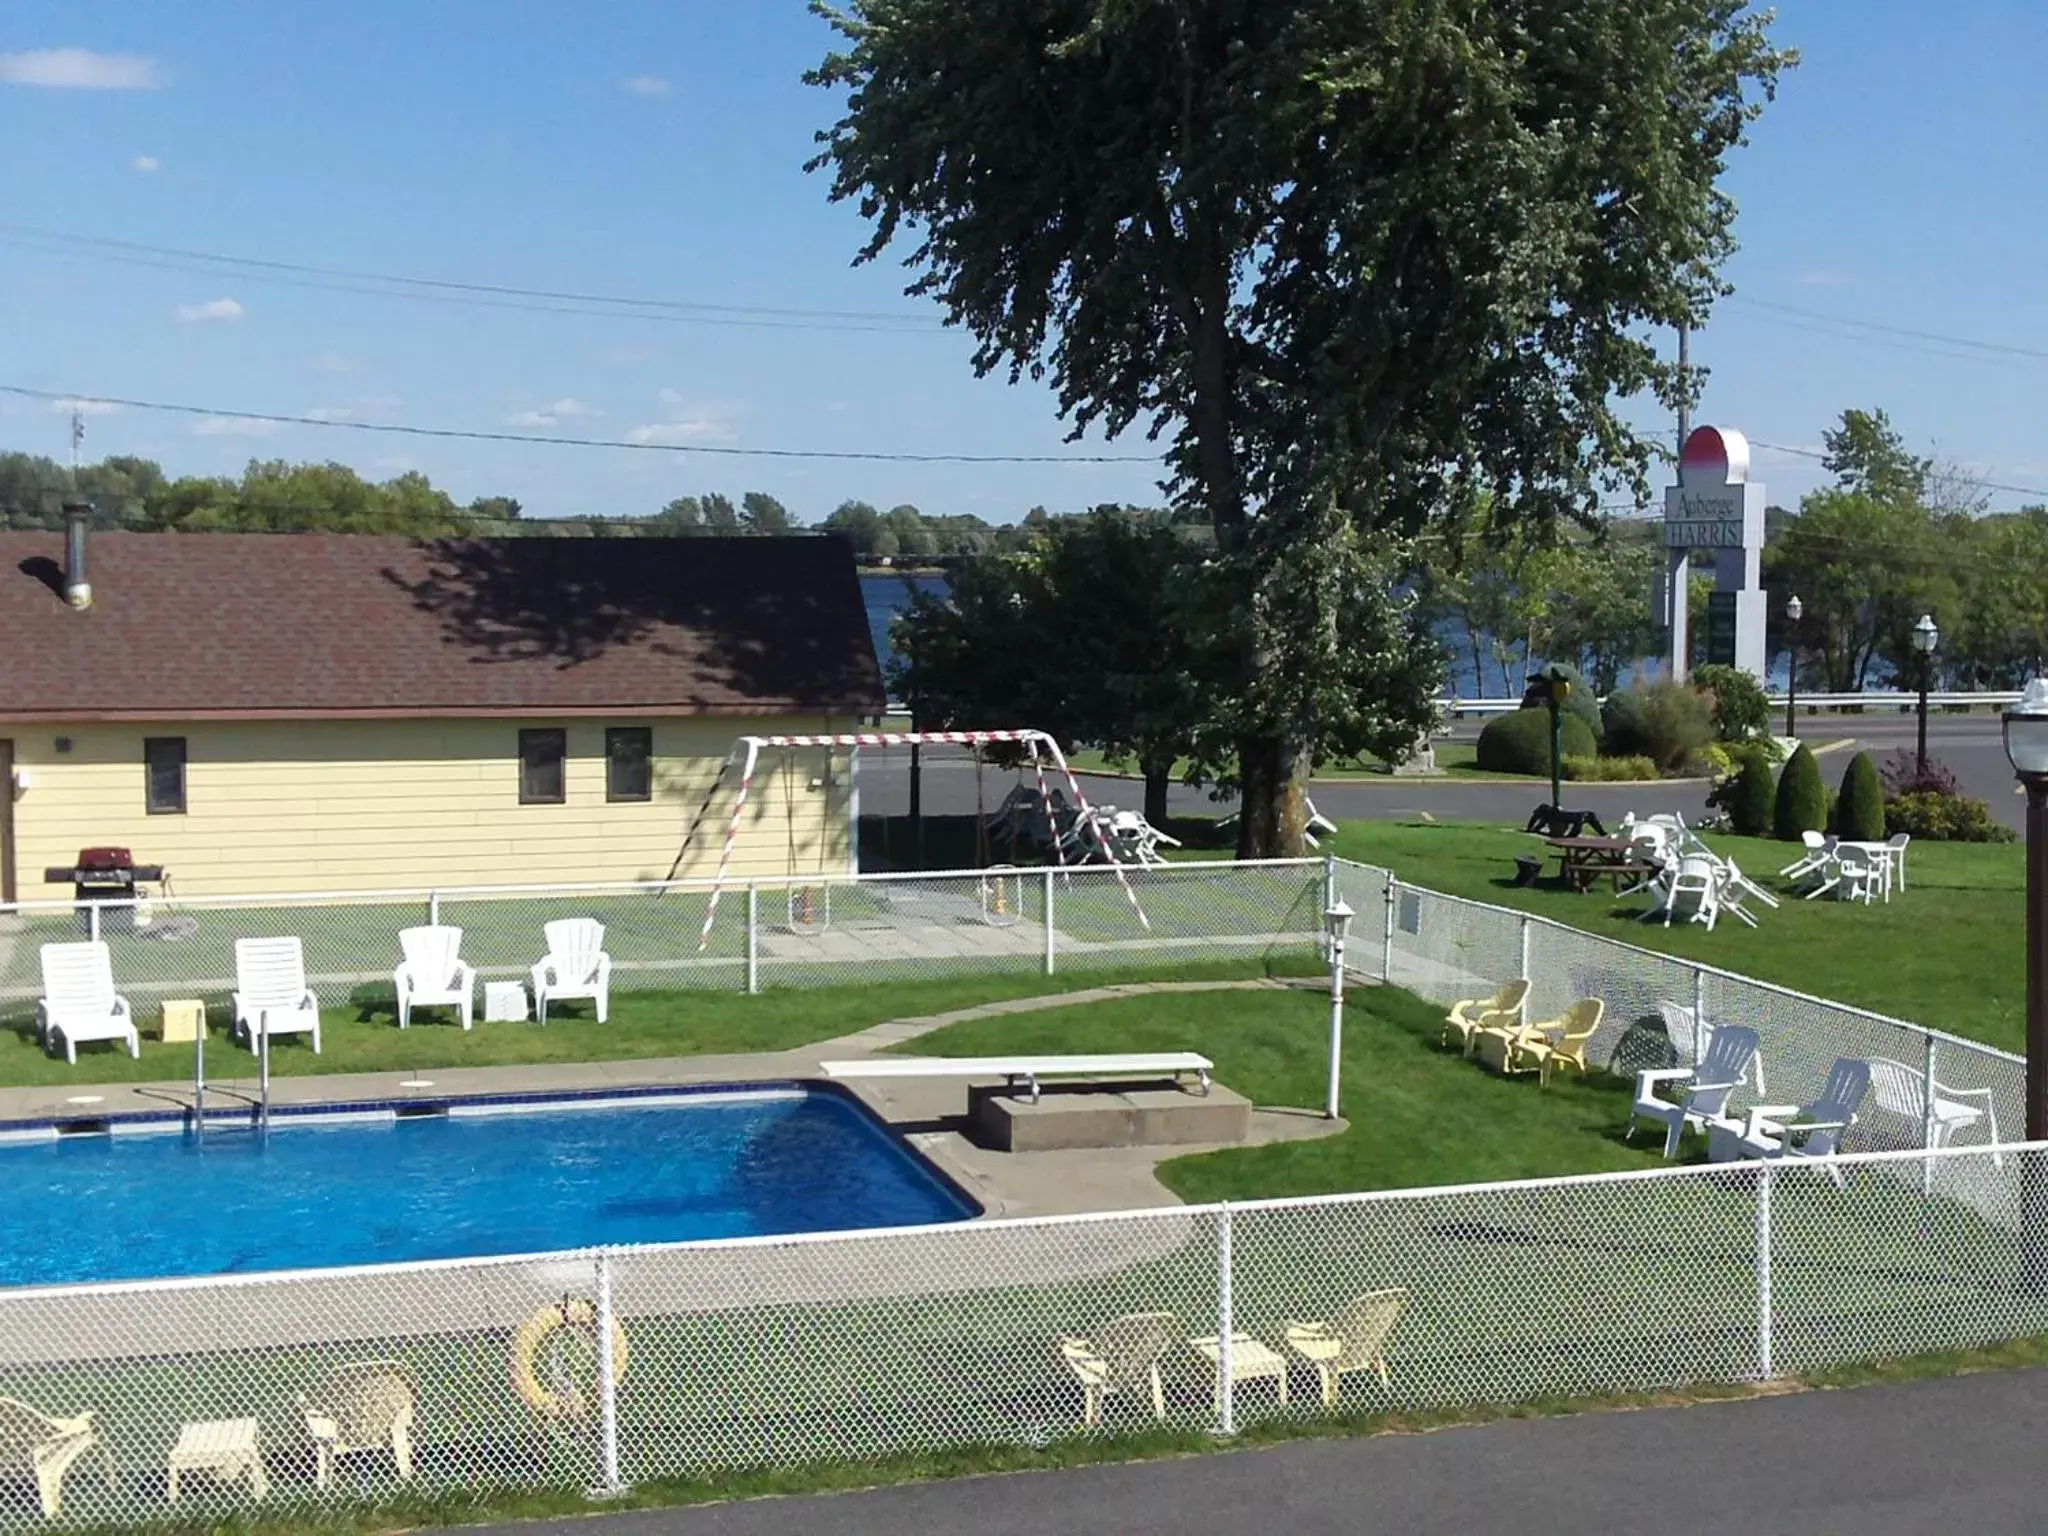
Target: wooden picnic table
[{"x": 1583, "y": 860}]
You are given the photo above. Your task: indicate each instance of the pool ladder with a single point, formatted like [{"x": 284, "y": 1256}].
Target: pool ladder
[{"x": 199, "y": 1081}]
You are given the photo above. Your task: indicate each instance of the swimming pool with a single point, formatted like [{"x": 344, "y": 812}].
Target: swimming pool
[{"x": 464, "y": 1180}]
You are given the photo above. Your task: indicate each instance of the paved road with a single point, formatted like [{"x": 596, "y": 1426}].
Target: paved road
[
  {"x": 1969, "y": 744},
  {"x": 1959, "y": 1455}
]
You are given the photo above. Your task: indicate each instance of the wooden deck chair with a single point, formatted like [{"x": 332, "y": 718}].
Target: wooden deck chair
[
  {"x": 1535, "y": 1049},
  {"x": 367, "y": 1405},
  {"x": 1470, "y": 1015},
  {"x": 1121, "y": 1356},
  {"x": 1353, "y": 1340},
  {"x": 34, "y": 1444}
]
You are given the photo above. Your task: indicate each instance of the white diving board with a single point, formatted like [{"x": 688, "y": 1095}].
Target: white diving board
[{"x": 1027, "y": 1070}]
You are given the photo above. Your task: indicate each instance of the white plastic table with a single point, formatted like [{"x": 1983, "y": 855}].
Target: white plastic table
[
  {"x": 1249, "y": 1361},
  {"x": 504, "y": 1001},
  {"x": 224, "y": 1448}
]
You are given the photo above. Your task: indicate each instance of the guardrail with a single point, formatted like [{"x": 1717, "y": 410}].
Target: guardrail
[{"x": 1869, "y": 703}]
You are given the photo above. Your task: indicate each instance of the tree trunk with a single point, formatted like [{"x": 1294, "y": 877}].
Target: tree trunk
[
  {"x": 1158, "y": 781},
  {"x": 1271, "y": 820}
]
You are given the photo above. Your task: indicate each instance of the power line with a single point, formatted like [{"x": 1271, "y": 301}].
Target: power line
[
  {"x": 1989, "y": 485},
  {"x": 2005, "y": 349},
  {"x": 449, "y": 290},
  {"x": 481, "y": 436}
]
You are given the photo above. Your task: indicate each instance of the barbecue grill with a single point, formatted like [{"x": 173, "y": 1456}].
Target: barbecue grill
[{"x": 103, "y": 875}]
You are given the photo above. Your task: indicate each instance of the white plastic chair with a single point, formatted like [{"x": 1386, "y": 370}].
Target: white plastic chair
[
  {"x": 1812, "y": 1131},
  {"x": 1895, "y": 861},
  {"x": 1704, "y": 1088},
  {"x": 1692, "y": 1041},
  {"x": 433, "y": 974},
  {"x": 79, "y": 1001},
  {"x": 271, "y": 996},
  {"x": 575, "y": 966},
  {"x": 1694, "y": 891},
  {"x": 1819, "y": 848},
  {"x": 1852, "y": 874},
  {"x": 1902, "y": 1090}
]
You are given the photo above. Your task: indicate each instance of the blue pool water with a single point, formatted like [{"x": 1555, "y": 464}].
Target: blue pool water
[{"x": 372, "y": 1192}]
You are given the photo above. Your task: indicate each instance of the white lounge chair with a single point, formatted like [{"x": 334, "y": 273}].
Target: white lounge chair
[
  {"x": 1027, "y": 1071},
  {"x": 1811, "y": 1131},
  {"x": 1704, "y": 1088},
  {"x": 79, "y": 1001},
  {"x": 575, "y": 966},
  {"x": 33, "y": 1444},
  {"x": 271, "y": 996},
  {"x": 1902, "y": 1090},
  {"x": 433, "y": 974},
  {"x": 1121, "y": 1356}
]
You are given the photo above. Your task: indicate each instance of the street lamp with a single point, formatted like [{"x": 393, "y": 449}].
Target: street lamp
[
  {"x": 2026, "y": 747},
  {"x": 1336, "y": 925},
  {"x": 1793, "y": 609},
  {"x": 1925, "y": 638}
]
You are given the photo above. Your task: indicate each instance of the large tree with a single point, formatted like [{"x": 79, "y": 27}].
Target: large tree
[{"x": 1360, "y": 263}]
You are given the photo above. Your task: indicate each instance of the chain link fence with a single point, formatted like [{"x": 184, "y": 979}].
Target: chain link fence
[{"x": 593, "y": 1370}]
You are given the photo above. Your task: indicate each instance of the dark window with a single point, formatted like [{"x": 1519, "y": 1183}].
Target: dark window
[
  {"x": 629, "y": 763},
  {"x": 163, "y": 763},
  {"x": 542, "y": 763}
]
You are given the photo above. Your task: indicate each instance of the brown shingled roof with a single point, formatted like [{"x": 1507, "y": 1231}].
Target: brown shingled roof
[{"x": 220, "y": 625}]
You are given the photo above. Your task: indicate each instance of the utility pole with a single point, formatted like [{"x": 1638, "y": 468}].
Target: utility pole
[{"x": 1684, "y": 383}]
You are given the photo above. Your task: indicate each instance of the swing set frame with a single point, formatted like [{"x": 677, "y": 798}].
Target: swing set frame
[{"x": 745, "y": 753}]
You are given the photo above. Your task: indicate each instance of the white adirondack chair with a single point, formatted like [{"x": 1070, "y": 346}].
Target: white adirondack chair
[
  {"x": 575, "y": 966},
  {"x": 433, "y": 974},
  {"x": 271, "y": 996},
  {"x": 1704, "y": 1088},
  {"x": 1693, "y": 1040},
  {"x": 79, "y": 1001},
  {"x": 1902, "y": 1091},
  {"x": 1812, "y": 1131}
]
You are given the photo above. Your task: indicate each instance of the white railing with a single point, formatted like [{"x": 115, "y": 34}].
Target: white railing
[
  {"x": 1873, "y": 702},
  {"x": 601, "y": 1368}
]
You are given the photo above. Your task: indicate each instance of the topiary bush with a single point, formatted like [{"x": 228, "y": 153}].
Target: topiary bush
[
  {"x": 1741, "y": 709},
  {"x": 1609, "y": 770},
  {"x": 1752, "y": 800},
  {"x": 1579, "y": 701},
  {"x": 1802, "y": 803},
  {"x": 1665, "y": 722},
  {"x": 1945, "y": 818},
  {"x": 1859, "y": 813},
  {"x": 1520, "y": 742}
]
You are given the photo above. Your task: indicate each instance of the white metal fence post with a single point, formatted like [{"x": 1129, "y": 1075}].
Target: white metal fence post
[
  {"x": 1329, "y": 900},
  {"x": 1226, "y": 1376},
  {"x": 1387, "y": 940},
  {"x": 1524, "y": 972},
  {"x": 1699, "y": 1013},
  {"x": 1048, "y": 921},
  {"x": 92, "y": 921},
  {"x": 607, "y": 1385},
  {"x": 753, "y": 938},
  {"x": 1927, "y": 1064},
  {"x": 1765, "y": 1370},
  {"x": 433, "y": 909}
]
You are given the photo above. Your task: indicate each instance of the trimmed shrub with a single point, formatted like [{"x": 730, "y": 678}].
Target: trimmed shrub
[
  {"x": 1520, "y": 742},
  {"x": 1741, "y": 709},
  {"x": 1608, "y": 770},
  {"x": 1859, "y": 813},
  {"x": 1752, "y": 801},
  {"x": 1665, "y": 722},
  {"x": 1945, "y": 818},
  {"x": 1802, "y": 804},
  {"x": 1902, "y": 775},
  {"x": 1579, "y": 701}
]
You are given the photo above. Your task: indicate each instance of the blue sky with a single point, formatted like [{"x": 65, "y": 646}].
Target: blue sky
[{"x": 658, "y": 152}]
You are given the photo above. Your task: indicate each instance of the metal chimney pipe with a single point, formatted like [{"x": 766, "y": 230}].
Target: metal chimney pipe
[{"x": 77, "y": 519}]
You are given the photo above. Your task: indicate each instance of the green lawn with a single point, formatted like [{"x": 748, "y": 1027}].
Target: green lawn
[
  {"x": 1948, "y": 952},
  {"x": 1417, "y": 1114}
]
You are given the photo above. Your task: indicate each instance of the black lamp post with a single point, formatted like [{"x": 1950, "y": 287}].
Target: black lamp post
[
  {"x": 2026, "y": 748},
  {"x": 1551, "y": 687},
  {"x": 1925, "y": 638},
  {"x": 1793, "y": 609}
]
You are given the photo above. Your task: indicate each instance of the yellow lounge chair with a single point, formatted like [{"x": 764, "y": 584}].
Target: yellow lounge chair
[
  {"x": 367, "y": 1405},
  {"x": 1123, "y": 1355},
  {"x": 33, "y": 1442},
  {"x": 1473, "y": 1014},
  {"x": 1536, "y": 1051},
  {"x": 1354, "y": 1340}
]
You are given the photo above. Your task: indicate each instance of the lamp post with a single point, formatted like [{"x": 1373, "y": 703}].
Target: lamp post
[
  {"x": 1793, "y": 609},
  {"x": 1336, "y": 925},
  {"x": 1925, "y": 638},
  {"x": 1551, "y": 687},
  {"x": 2026, "y": 748}
]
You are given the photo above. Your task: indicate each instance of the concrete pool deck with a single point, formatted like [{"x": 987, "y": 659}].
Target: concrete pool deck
[{"x": 931, "y": 1116}]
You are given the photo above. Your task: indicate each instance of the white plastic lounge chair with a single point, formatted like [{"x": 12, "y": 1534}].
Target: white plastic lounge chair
[
  {"x": 1812, "y": 1131},
  {"x": 271, "y": 996},
  {"x": 367, "y": 1405},
  {"x": 79, "y": 1001},
  {"x": 1027, "y": 1072},
  {"x": 575, "y": 966},
  {"x": 1818, "y": 847},
  {"x": 36, "y": 1445},
  {"x": 1704, "y": 1088},
  {"x": 1353, "y": 1340},
  {"x": 1121, "y": 1356},
  {"x": 433, "y": 974},
  {"x": 1902, "y": 1090}
]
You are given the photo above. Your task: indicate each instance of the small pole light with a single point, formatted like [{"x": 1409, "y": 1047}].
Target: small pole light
[{"x": 1336, "y": 928}]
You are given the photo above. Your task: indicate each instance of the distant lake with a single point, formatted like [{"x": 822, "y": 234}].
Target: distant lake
[{"x": 885, "y": 597}]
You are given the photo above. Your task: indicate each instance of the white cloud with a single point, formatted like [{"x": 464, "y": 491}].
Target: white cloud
[
  {"x": 701, "y": 430},
  {"x": 554, "y": 415},
  {"x": 234, "y": 426},
  {"x": 212, "y": 309},
  {"x": 80, "y": 69},
  {"x": 644, "y": 85},
  {"x": 84, "y": 407},
  {"x": 148, "y": 165}
]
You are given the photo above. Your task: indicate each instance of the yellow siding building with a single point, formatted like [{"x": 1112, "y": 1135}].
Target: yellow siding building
[{"x": 283, "y": 713}]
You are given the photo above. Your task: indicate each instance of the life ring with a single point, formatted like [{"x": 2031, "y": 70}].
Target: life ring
[{"x": 527, "y": 1339}]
